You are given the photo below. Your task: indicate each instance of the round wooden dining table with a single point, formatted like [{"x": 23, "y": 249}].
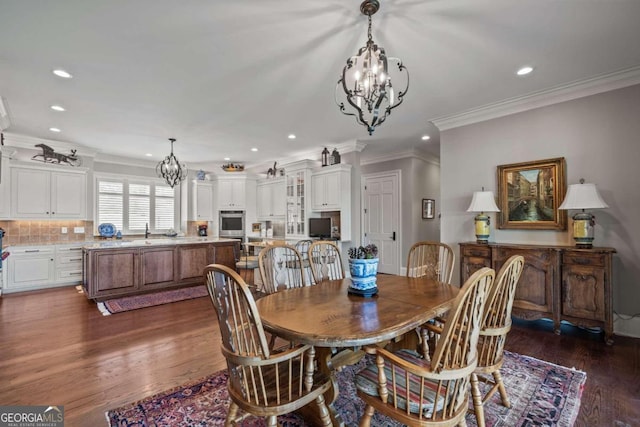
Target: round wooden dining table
[{"x": 328, "y": 317}]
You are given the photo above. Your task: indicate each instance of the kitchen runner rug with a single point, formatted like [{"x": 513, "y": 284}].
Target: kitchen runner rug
[
  {"x": 134, "y": 302},
  {"x": 541, "y": 394}
]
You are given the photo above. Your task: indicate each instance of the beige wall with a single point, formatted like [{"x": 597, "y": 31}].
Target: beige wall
[{"x": 599, "y": 136}]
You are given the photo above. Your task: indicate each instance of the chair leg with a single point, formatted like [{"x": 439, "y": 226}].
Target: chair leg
[
  {"x": 477, "y": 400},
  {"x": 272, "y": 421},
  {"x": 425, "y": 344},
  {"x": 231, "y": 416},
  {"x": 365, "y": 421},
  {"x": 503, "y": 392},
  {"x": 325, "y": 417}
]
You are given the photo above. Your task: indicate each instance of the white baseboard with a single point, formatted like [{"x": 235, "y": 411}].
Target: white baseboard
[{"x": 625, "y": 326}]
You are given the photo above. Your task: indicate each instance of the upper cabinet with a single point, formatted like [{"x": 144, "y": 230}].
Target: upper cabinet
[
  {"x": 271, "y": 200},
  {"x": 202, "y": 201},
  {"x": 297, "y": 182},
  {"x": 331, "y": 188},
  {"x": 5, "y": 211},
  {"x": 39, "y": 193},
  {"x": 231, "y": 193}
]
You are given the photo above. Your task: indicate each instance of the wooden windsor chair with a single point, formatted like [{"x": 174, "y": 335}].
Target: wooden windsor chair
[
  {"x": 326, "y": 261},
  {"x": 281, "y": 266},
  {"x": 261, "y": 382},
  {"x": 496, "y": 323},
  {"x": 432, "y": 259},
  {"x": 417, "y": 392}
]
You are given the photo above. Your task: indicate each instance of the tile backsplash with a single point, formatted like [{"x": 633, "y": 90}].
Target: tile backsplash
[{"x": 42, "y": 231}]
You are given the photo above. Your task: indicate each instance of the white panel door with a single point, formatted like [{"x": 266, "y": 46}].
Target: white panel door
[{"x": 381, "y": 218}]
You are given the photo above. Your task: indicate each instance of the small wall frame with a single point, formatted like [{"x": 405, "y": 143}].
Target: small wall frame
[{"x": 428, "y": 208}]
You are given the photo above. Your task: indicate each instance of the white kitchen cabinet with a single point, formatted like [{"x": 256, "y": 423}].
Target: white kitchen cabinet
[
  {"x": 5, "y": 211},
  {"x": 331, "y": 188},
  {"x": 298, "y": 176},
  {"x": 231, "y": 194},
  {"x": 30, "y": 268},
  {"x": 68, "y": 264},
  {"x": 45, "y": 194},
  {"x": 202, "y": 201},
  {"x": 271, "y": 200}
]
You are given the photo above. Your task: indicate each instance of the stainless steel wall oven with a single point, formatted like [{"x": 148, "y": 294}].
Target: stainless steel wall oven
[{"x": 231, "y": 224}]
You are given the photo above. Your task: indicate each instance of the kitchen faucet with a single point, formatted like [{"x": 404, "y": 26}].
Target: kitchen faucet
[{"x": 146, "y": 230}]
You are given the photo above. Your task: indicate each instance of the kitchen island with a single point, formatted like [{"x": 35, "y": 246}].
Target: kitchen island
[{"x": 122, "y": 268}]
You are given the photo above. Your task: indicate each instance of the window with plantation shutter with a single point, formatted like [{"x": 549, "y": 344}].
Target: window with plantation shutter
[{"x": 132, "y": 204}]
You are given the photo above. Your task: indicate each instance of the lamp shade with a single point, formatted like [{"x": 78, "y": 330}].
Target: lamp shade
[
  {"x": 582, "y": 196},
  {"x": 483, "y": 201}
]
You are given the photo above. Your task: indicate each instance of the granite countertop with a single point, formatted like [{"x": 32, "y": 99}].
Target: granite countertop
[
  {"x": 125, "y": 243},
  {"x": 99, "y": 243}
]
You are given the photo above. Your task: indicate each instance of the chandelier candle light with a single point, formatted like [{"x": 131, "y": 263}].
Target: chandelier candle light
[
  {"x": 483, "y": 201},
  {"x": 583, "y": 196},
  {"x": 171, "y": 169},
  {"x": 366, "y": 82}
]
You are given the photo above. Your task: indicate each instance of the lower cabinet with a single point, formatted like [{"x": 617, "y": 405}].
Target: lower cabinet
[
  {"x": 109, "y": 272},
  {"x": 562, "y": 283},
  {"x": 30, "y": 268}
]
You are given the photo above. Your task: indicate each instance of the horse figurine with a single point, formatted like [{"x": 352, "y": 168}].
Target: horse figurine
[
  {"x": 272, "y": 171},
  {"x": 50, "y": 156}
]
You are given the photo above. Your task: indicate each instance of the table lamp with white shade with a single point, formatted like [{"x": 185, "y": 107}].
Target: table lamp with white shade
[
  {"x": 483, "y": 201},
  {"x": 583, "y": 196}
]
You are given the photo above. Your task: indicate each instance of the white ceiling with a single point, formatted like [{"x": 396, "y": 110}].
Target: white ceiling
[{"x": 223, "y": 76}]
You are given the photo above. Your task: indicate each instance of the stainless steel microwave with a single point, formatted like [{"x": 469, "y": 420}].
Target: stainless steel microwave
[{"x": 231, "y": 224}]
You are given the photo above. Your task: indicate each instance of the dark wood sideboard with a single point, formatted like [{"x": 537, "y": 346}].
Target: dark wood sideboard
[{"x": 557, "y": 283}]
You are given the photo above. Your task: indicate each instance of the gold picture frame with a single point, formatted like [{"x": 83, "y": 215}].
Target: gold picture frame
[{"x": 529, "y": 194}]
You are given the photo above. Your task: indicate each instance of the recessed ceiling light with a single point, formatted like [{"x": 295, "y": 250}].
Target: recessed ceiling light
[
  {"x": 62, "y": 73},
  {"x": 54, "y": 130},
  {"x": 58, "y": 108},
  {"x": 426, "y": 137},
  {"x": 524, "y": 70},
  {"x": 254, "y": 149},
  {"x": 226, "y": 159},
  {"x": 148, "y": 154},
  {"x": 291, "y": 136}
]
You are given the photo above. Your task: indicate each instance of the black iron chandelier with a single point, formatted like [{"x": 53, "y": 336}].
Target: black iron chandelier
[
  {"x": 171, "y": 169},
  {"x": 366, "y": 82}
]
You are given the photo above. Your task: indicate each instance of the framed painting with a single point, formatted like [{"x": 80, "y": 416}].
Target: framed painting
[
  {"x": 428, "y": 208},
  {"x": 529, "y": 195}
]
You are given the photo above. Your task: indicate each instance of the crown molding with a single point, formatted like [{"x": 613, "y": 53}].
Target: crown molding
[
  {"x": 125, "y": 161},
  {"x": 567, "y": 92},
  {"x": 414, "y": 154},
  {"x": 24, "y": 141}
]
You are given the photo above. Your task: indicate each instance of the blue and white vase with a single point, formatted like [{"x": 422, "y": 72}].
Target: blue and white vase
[{"x": 363, "y": 276}]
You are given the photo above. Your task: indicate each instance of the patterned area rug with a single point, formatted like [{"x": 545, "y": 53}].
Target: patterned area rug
[
  {"x": 541, "y": 394},
  {"x": 119, "y": 305}
]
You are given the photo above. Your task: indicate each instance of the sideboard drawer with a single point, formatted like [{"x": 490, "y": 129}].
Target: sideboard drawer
[
  {"x": 476, "y": 251},
  {"x": 580, "y": 258}
]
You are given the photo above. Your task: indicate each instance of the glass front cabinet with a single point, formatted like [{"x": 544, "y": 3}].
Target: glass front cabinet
[{"x": 297, "y": 182}]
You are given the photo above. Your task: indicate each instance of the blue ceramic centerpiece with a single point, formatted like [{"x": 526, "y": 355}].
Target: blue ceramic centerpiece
[{"x": 363, "y": 266}]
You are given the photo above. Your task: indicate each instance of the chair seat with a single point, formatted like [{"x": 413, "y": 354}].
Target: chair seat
[
  {"x": 367, "y": 382},
  {"x": 247, "y": 262}
]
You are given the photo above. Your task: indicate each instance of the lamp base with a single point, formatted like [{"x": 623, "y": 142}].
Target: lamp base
[
  {"x": 583, "y": 223},
  {"x": 482, "y": 223}
]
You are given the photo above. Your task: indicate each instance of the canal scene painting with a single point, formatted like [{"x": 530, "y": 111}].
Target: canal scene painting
[{"x": 529, "y": 195}]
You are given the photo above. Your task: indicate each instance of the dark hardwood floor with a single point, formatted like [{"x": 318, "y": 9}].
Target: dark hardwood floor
[{"x": 57, "y": 349}]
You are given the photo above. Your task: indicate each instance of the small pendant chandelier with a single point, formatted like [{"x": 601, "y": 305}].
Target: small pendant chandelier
[
  {"x": 366, "y": 82},
  {"x": 171, "y": 169}
]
